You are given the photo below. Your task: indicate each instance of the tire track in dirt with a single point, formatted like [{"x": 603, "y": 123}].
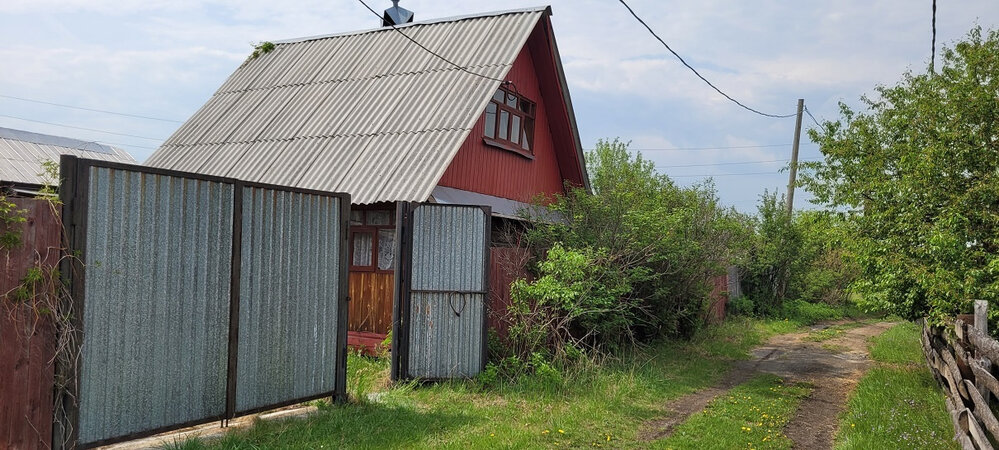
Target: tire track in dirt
[{"x": 832, "y": 367}]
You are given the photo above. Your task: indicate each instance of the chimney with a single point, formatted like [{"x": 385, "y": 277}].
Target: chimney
[{"x": 396, "y": 15}]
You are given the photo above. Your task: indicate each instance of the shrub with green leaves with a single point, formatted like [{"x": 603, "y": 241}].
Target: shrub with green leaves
[{"x": 630, "y": 261}]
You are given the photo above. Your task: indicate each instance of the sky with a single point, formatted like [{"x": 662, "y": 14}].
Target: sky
[{"x": 163, "y": 59}]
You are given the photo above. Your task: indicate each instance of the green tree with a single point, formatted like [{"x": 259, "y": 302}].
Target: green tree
[{"x": 919, "y": 171}]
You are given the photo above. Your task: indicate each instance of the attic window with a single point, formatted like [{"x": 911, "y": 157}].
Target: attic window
[{"x": 510, "y": 122}]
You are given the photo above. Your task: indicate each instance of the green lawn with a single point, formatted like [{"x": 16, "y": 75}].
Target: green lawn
[
  {"x": 897, "y": 404},
  {"x": 751, "y": 415},
  {"x": 597, "y": 406}
]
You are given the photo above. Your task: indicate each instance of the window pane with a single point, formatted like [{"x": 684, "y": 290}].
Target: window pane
[
  {"x": 491, "y": 120},
  {"x": 525, "y": 106},
  {"x": 498, "y": 96},
  {"x": 511, "y": 100},
  {"x": 380, "y": 217},
  {"x": 386, "y": 249},
  {"x": 361, "y": 249},
  {"x": 504, "y": 124},
  {"x": 355, "y": 217},
  {"x": 515, "y": 129},
  {"x": 528, "y": 133}
]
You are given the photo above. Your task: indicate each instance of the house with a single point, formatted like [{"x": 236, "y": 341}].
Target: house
[
  {"x": 481, "y": 116},
  {"x": 22, "y": 154}
]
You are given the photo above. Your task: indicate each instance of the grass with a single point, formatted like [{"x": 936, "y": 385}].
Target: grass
[
  {"x": 594, "y": 406},
  {"x": 833, "y": 331},
  {"x": 897, "y": 404},
  {"x": 751, "y": 415}
]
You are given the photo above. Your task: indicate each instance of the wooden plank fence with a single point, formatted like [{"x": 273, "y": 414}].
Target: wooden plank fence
[
  {"x": 27, "y": 337},
  {"x": 961, "y": 359}
]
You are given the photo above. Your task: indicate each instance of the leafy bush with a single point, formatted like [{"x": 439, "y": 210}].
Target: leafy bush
[
  {"x": 741, "y": 306},
  {"x": 806, "y": 256},
  {"x": 639, "y": 253}
]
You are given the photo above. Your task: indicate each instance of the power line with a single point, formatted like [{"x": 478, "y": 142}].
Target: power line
[
  {"x": 81, "y": 128},
  {"x": 728, "y": 163},
  {"x": 714, "y": 175},
  {"x": 461, "y": 68},
  {"x": 678, "y": 149},
  {"x": 647, "y": 27},
  {"x": 813, "y": 117},
  {"x": 89, "y": 109}
]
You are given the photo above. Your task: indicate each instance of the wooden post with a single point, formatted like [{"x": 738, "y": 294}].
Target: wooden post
[
  {"x": 982, "y": 316},
  {"x": 791, "y": 179},
  {"x": 982, "y": 324}
]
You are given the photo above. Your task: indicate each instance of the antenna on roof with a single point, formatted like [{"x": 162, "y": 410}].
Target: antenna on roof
[{"x": 396, "y": 15}]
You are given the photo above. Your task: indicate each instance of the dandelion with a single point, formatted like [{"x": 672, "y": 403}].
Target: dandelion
[
  {"x": 544, "y": 432},
  {"x": 561, "y": 431}
]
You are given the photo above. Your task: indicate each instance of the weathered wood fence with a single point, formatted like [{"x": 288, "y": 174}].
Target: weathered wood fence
[
  {"x": 27, "y": 335},
  {"x": 962, "y": 360}
]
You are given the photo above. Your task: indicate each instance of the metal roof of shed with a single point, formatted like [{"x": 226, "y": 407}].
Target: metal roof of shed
[
  {"x": 22, "y": 154},
  {"x": 367, "y": 113}
]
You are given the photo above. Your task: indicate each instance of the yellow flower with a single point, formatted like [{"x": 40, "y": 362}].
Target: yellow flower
[
  {"x": 544, "y": 432},
  {"x": 561, "y": 431}
]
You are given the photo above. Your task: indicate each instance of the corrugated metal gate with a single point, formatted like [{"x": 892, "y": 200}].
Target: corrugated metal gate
[
  {"x": 440, "y": 309},
  {"x": 197, "y": 298}
]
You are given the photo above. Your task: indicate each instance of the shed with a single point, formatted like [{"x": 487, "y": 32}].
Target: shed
[{"x": 22, "y": 154}]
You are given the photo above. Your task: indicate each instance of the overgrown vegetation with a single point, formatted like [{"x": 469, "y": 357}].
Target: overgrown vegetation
[
  {"x": 918, "y": 174},
  {"x": 897, "y": 404},
  {"x": 804, "y": 257},
  {"x": 629, "y": 263}
]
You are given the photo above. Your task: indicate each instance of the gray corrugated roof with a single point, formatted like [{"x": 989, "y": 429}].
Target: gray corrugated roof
[
  {"x": 22, "y": 154},
  {"x": 367, "y": 113}
]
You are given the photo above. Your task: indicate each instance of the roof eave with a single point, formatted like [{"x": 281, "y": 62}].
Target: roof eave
[{"x": 568, "y": 105}]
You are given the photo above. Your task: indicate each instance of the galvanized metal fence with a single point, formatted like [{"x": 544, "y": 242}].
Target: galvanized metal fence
[
  {"x": 442, "y": 288},
  {"x": 197, "y": 298}
]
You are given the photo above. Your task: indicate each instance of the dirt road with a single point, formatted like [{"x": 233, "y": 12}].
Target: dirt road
[{"x": 833, "y": 366}]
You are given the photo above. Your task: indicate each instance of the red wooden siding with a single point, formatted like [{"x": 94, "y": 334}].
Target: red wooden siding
[
  {"x": 506, "y": 264},
  {"x": 489, "y": 170},
  {"x": 27, "y": 340}
]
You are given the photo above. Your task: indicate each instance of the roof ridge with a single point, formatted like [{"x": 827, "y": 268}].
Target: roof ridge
[{"x": 534, "y": 9}]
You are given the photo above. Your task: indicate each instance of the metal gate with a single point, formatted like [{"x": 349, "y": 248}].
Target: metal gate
[
  {"x": 195, "y": 298},
  {"x": 439, "y": 316}
]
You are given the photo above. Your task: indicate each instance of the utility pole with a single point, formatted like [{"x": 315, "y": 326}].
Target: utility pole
[{"x": 794, "y": 158}]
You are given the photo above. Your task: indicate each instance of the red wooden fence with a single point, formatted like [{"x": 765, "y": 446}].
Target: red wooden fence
[
  {"x": 27, "y": 337},
  {"x": 718, "y": 299}
]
